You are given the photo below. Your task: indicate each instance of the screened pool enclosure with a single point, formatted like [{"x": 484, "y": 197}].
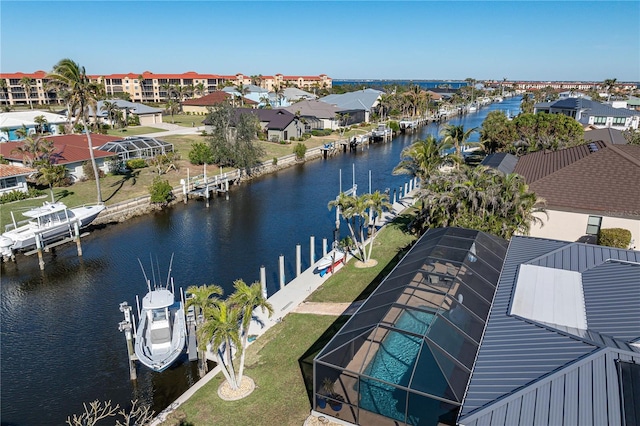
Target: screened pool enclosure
[
  {"x": 137, "y": 147},
  {"x": 406, "y": 356}
]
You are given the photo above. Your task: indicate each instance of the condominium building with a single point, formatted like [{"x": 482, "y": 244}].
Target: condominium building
[{"x": 31, "y": 88}]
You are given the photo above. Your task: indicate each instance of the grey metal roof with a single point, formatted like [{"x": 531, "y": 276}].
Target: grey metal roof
[
  {"x": 135, "y": 108},
  {"x": 354, "y": 101},
  {"x": 502, "y": 161},
  {"x": 528, "y": 372},
  {"x": 591, "y": 108}
]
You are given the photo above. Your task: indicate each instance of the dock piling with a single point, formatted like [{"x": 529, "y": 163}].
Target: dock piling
[
  {"x": 312, "y": 250},
  {"x": 281, "y": 269},
  {"x": 263, "y": 281},
  {"x": 298, "y": 260}
]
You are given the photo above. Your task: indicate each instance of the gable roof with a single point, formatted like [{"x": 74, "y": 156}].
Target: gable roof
[
  {"x": 9, "y": 170},
  {"x": 595, "y": 177},
  {"x": 354, "y": 101},
  {"x": 608, "y": 135},
  {"x": 314, "y": 108},
  {"x": 273, "y": 119},
  {"x": 502, "y": 161},
  {"x": 213, "y": 98},
  {"x": 528, "y": 370},
  {"x": 590, "y": 108}
]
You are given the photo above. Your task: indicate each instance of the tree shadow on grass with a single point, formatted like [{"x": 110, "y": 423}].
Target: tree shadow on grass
[
  {"x": 129, "y": 176},
  {"x": 63, "y": 194}
]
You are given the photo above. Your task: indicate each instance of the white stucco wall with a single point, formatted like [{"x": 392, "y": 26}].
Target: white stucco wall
[{"x": 568, "y": 226}]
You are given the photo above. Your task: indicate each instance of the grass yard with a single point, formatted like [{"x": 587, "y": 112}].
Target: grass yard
[
  {"x": 133, "y": 131},
  {"x": 274, "y": 361},
  {"x": 184, "y": 120}
]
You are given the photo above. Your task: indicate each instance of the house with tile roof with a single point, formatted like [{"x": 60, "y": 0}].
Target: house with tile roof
[
  {"x": 586, "y": 188},
  {"x": 592, "y": 113},
  {"x": 202, "y": 105},
  {"x": 14, "y": 178},
  {"x": 469, "y": 329},
  {"x": 14, "y": 120},
  {"x": 70, "y": 151}
]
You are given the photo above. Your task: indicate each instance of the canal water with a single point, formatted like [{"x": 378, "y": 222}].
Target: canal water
[{"x": 60, "y": 345}]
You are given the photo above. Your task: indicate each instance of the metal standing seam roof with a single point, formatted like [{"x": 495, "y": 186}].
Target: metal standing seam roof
[
  {"x": 358, "y": 100},
  {"x": 532, "y": 373}
]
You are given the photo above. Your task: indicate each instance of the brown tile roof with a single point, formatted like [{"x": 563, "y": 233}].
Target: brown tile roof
[
  {"x": 81, "y": 140},
  {"x": 539, "y": 164},
  {"x": 213, "y": 98},
  {"x": 606, "y": 181},
  {"x": 66, "y": 150},
  {"x": 7, "y": 170}
]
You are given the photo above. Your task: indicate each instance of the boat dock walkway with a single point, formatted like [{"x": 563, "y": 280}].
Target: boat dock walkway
[
  {"x": 203, "y": 185},
  {"x": 290, "y": 299}
]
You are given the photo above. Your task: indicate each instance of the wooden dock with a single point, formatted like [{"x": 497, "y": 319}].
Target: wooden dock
[{"x": 203, "y": 186}]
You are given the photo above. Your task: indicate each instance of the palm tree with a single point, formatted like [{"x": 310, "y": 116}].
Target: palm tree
[
  {"x": 248, "y": 298},
  {"x": 173, "y": 107},
  {"x": 51, "y": 175},
  {"x": 199, "y": 89},
  {"x": 110, "y": 108},
  {"x": 26, "y": 82},
  {"x": 243, "y": 90},
  {"x": 377, "y": 204},
  {"x": 220, "y": 329},
  {"x": 82, "y": 94},
  {"x": 40, "y": 121},
  {"x": 421, "y": 159},
  {"x": 4, "y": 90},
  {"x": 457, "y": 137},
  {"x": 279, "y": 91},
  {"x": 201, "y": 298},
  {"x": 609, "y": 84},
  {"x": 34, "y": 150}
]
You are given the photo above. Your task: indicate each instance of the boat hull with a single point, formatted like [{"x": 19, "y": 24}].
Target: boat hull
[{"x": 329, "y": 262}]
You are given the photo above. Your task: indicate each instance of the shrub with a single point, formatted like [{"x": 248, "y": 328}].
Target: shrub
[
  {"x": 323, "y": 132},
  {"x": 274, "y": 161},
  {"x": 300, "y": 150},
  {"x": 160, "y": 191},
  {"x": 395, "y": 126},
  {"x": 12, "y": 196},
  {"x": 200, "y": 154},
  {"x": 87, "y": 169},
  {"x": 614, "y": 237},
  {"x": 136, "y": 163}
]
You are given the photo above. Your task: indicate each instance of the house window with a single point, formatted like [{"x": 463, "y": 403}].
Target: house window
[
  {"x": 600, "y": 120},
  {"x": 10, "y": 182},
  {"x": 620, "y": 121},
  {"x": 593, "y": 225}
]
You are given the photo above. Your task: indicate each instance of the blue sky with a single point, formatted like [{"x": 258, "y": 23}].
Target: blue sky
[{"x": 519, "y": 40}]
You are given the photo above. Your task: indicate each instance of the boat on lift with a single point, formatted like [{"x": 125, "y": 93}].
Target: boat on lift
[
  {"x": 46, "y": 224},
  {"x": 162, "y": 332}
]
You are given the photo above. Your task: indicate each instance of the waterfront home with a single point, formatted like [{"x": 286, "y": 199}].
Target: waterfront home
[
  {"x": 202, "y": 105},
  {"x": 588, "y": 112},
  {"x": 586, "y": 188},
  {"x": 147, "y": 115},
  {"x": 12, "y": 121},
  {"x": 277, "y": 124},
  {"x": 469, "y": 329},
  {"x": 70, "y": 151},
  {"x": 14, "y": 178},
  {"x": 316, "y": 115},
  {"x": 358, "y": 105}
]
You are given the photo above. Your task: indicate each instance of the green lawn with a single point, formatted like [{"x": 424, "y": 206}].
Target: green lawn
[
  {"x": 133, "y": 131},
  {"x": 184, "y": 120},
  {"x": 276, "y": 360}
]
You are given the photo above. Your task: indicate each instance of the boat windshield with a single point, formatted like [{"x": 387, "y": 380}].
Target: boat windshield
[{"x": 159, "y": 315}]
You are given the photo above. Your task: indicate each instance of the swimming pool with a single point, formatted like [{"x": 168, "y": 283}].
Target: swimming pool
[{"x": 393, "y": 363}]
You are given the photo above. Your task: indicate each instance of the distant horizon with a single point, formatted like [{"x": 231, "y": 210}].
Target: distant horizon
[{"x": 484, "y": 40}]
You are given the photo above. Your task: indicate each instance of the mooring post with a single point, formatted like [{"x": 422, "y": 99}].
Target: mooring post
[
  {"x": 39, "y": 248},
  {"x": 76, "y": 229},
  {"x": 126, "y": 326},
  {"x": 263, "y": 281},
  {"x": 405, "y": 189},
  {"x": 281, "y": 262},
  {"x": 312, "y": 250},
  {"x": 394, "y": 197},
  {"x": 184, "y": 189},
  {"x": 206, "y": 194},
  {"x": 298, "y": 260},
  {"x": 324, "y": 247}
]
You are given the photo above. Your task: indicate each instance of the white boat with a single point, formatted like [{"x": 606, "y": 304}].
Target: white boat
[
  {"x": 45, "y": 224},
  {"x": 162, "y": 330},
  {"x": 330, "y": 261},
  {"x": 381, "y": 132}
]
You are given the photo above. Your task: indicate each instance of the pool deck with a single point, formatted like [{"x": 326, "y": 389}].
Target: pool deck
[{"x": 291, "y": 299}]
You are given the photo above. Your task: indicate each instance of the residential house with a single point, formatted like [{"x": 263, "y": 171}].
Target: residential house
[
  {"x": 501, "y": 161},
  {"x": 12, "y": 121},
  {"x": 251, "y": 98},
  {"x": 586, "y": 188},
  {"x": 608, "y": 135},
  {"x": 356, "y": 106},
  {"x": 69, "y": 150},
  {"x": 469, "y": 329},
  {"x": 14, "y": 178},
  {"x": 293, "y": 95},
  {"x": 278, "y": 124},
  {"x": 588, "y": 112},
  {"x": 202, "y": 105},
  {"x": 316, "y": 115},
  {"x": 147, "y": 115}
]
